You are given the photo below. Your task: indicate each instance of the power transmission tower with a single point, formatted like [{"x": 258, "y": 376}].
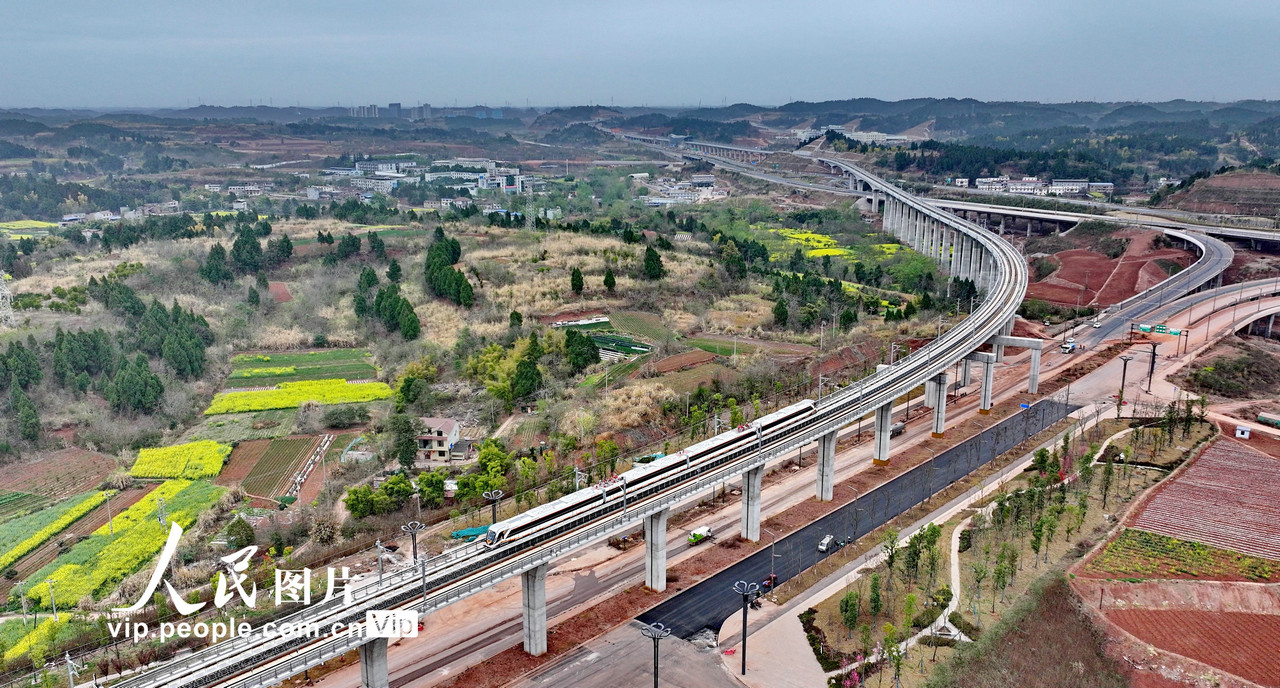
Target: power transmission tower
[{"x": 6, "y": 307}]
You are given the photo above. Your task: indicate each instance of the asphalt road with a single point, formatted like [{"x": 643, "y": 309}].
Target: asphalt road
[{"x": 708, "y": 603}]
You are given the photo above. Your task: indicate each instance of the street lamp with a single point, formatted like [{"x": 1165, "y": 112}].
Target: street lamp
[
  {"x": 413, "y": 528},
  {"x": 773, "y": 540},
  {"x": 655, "y": 632},
  {"x": 494, "y": 496},
  {"x": 1124, "y": 371},
  {"x": 747, "y": 590},
  {"x": 1151, "y": 372}
]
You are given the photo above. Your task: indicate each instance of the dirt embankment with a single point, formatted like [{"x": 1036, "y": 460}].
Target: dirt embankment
[
  {"x": 1238, "y": 193},
  {"x": 1085, "y": 275}
]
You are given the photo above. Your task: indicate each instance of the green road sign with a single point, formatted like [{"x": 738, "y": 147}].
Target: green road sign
[
  {"x": 1161, "y": 329},
  {"x": 1176, "y": 333},
  {"x": 1144, "y": 328}
]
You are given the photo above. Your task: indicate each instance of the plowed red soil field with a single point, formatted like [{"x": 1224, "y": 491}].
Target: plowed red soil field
[
  {"x": 1228, "y": 497},
  {"x": 243, "y": 458},
  {"x": 1247, "y": 645},
  {"x": 687, "y": 359},
  {"x": 280, "y": 292},
  {"x": 61, "y": 474}
]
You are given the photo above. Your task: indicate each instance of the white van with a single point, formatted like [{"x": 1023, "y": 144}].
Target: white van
[{"x": 826, "y": 543}]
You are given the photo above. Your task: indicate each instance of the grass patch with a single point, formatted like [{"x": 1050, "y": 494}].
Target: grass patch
[
  {"x": 720, "y": 348},
  {"x": 697, "y": 376}
]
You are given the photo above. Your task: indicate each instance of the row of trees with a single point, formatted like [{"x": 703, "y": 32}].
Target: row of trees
[{"x": 444, "y": 280}]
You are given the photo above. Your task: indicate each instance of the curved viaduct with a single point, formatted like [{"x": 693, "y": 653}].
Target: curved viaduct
[{"x": 961, "y": 247}]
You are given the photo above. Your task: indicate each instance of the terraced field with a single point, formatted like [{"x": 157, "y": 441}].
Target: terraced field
[
  {"x": 270, "y": 369},
  {"x": 17, "y": 504},
  {"x": 1227, "y": 498},
  {"x": 272, "y": 472}
]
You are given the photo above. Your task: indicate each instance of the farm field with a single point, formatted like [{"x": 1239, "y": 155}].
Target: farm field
[
  {"x": 22, "y": 535},
  {"x": 1226, "y": 498},
  {"x": 271, "y": 473},
  {"x": 294, "y": 394},
  {"x": 94, "y": 565},
  {"x": 230, "y": 428},
  {"x": 270, "y": 369},
  {"x": 646, "y": 325},
  {"x": 15, "y": 505},
  {"x": 689, "y": 380},
  {"x": 194, "y": 460},
  {"x": 1139, "y": 554},
  {"x": 243, "y": 458},
  {"x": 1243, "y": 644},
  {"x": 683, "y": 361},
  {"x": 47, "y": 552},
  {"x": 61, "y": 474}
]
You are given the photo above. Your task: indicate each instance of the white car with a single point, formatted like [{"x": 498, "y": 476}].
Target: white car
[
  {"x": 1071, "y": 340},
  {"x": 1096, "y": 324},
  {"x": 826, "y": 543}
]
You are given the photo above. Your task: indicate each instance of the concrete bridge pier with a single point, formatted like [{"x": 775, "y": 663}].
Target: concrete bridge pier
[
  {"x": 884, "y": 426},
  {"x": 655, "y": 550},
  {"x": 751, "y": 503},
  {"x": 1003, "y": 339},
  {"x": 988, "y": 362},
  {"x": 827, "y": 466},
  {"x": 373, "y": 664},
  {"x": 988, "y": 380},
  {"x": 1035, "y": 345},
  {"x": 965, "y": 374},
  {"x": 533, "y": 586},
  {"x": 940, "y": 405}
]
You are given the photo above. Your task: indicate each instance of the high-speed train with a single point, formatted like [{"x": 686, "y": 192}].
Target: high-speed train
[{"x": 585, "y": 505}]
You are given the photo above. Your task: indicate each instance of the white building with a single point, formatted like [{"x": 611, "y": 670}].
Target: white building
[
  {"x": 1027, "y": 185},
  {"x": 1069, "y": 186},
  {"x": 215, "y": 188},
  {"x": 962, "y": 182}
]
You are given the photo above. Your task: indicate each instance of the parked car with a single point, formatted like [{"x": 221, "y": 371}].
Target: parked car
[{"x": 825, "y": 545}]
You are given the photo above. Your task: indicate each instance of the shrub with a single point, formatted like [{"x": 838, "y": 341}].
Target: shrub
[
  {"x": 240, "y": 534},
  {"x": 964, "y": 626},
  {"x": 345, "y": 416}
]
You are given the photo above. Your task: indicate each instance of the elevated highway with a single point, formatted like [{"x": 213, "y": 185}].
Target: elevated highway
[{"x": 965, "y": 249}]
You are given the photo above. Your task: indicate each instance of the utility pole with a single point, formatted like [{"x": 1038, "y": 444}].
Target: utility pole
[
  {"x": 1151, "y": 372},
  {"x": 1124, "y": 372}
]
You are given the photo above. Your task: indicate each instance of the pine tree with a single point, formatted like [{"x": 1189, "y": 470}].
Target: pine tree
[
  {"x": 653, "y": 264},
  {"x": 368, "y": 279},
  {"x": 410, "y": 327},
  {"x": 253, "y": 298},
  {"x": 609, "y": 281},
  {"x": 246, "y": 253},
  {"x": 780, "y": 314},
  {"x": 376, "y": 246},
  {"x": 279, "y": 251},
  {"x": 25, "y": 413},
  {"x": 393, "y": 271},
  {"x": 465, "y": 296},
  {"x": 575, "y": 281},
  {"x": 215, "y": 266}
]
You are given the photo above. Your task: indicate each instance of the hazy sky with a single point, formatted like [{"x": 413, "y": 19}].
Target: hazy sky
[{"x": 145, "y": 53}]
